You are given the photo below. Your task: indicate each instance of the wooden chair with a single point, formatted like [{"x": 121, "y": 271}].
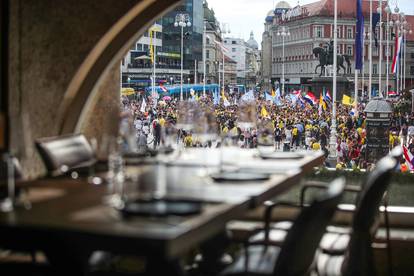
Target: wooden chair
[
  {"x": 67, "y": 153},
  {"x": 295, "y": 255}
]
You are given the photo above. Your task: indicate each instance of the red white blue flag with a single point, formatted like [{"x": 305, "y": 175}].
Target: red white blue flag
[
  {"x": 397, "y": 56},
  {"x": 310, "y": 98},
  {"x": 409, "y": 158}
]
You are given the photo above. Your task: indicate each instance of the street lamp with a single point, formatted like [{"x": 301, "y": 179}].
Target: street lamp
[
  {"x": 283, "y": 32},
  {"x": 129, "y": 81},
  {"x": 182, "y": 20},
  {"x": 171, "y": 80},
  {"x": 388, "y": 11},
  {"x": 224, "y": 30}
]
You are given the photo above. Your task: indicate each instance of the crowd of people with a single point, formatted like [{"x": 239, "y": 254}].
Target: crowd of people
[{"x": 287, "y": 126}]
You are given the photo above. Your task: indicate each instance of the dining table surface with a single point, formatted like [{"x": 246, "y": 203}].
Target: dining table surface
[{"x": 77, "y": 212}]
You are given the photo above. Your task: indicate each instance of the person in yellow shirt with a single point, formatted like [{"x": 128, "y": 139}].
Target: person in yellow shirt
[
  {"x": 188, "y": 140},
  {"x": 162, "y": 121}
]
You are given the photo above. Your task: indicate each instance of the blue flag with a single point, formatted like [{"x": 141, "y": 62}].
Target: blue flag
[
  {"x": 375, "y": 20},
  {"x": 359, "y": 36}
]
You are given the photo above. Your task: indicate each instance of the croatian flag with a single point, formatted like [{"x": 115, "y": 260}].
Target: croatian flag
[
  {"x": 328, "y": 97},
  {"x": 409, "y": 158},
  {"x": 163, "y": 88},
  {"x": 392, "y": 93},
  {"x": 396, "y": 60},
  {"x": 310, "y": 98}
]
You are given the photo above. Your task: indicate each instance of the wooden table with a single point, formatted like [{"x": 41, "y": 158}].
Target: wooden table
[{"x": 74, "y": 212}]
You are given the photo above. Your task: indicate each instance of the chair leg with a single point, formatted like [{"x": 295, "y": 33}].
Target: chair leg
[{"x": 387, "y": 231}]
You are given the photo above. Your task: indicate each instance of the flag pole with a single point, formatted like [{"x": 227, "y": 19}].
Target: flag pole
[
  {"x": 333, "y": 118},
  {"x": 379, "y": 10},
  {"x": 388, "y": 51},
  {"x": 370, "y": 51}
]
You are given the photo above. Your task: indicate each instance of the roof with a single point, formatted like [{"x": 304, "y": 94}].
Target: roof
[
  {"x": 282, "y": 5},
  {"x": 347, "y": 9},
  {"x": 378, "y": 105}
]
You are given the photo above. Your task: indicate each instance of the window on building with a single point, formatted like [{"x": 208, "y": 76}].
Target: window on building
[
  {"x": 207, "y": 68},
  {"x": 412, "y": 55},
  {"x": 374, "y": 68},
  {"x": 318, "y": 30},
  {"x": 338, "y": 32},
  {"x": 207, "y": 54},
  {"x": 374, "y": 51},
  {"x": 349, "y": 33},
  {"x": 233, "y": 50},
  {"x": 207, "y": 40},
  {"x": 411, "y": 70},
  {"x": 349, "y": 50},
  {"x": 233, "y": 42},
  {"x": 139, "y": 47},
  {"x": 145, "y": 47}
]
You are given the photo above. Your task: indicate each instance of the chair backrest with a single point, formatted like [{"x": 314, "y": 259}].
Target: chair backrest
[
  {"x": 69, "y": 150},
  {"x": 359, "y": 255},
  {"x": 3, "y": 169},
  {"x": 298, "y": 250}
]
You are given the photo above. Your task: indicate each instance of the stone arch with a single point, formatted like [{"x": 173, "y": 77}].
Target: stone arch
[{"x": 109, "y": 50}]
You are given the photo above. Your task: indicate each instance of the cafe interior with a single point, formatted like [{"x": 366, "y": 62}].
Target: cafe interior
[{"x": 169, "y": 214}]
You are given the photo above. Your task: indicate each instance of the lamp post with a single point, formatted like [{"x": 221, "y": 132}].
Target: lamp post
[
  {"x": 388, "y": 11},
  {"x": 182, "y": 20},
  {"x": 129, "y": 81},
  {"x": 225, "y": 30},
  {"x": 332, "y": 141},
  {"x": 379, "y": 10},
  {"x": 204, "y": 58},
  {"x": 283, "y": 32},
  {"x": 171, "y": 80}
]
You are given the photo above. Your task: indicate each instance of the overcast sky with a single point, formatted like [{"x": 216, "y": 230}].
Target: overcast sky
[{"x": 243, "y": 16}]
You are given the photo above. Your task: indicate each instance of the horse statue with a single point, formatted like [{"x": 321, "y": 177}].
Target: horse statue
[{"x": 324, "y": 60}]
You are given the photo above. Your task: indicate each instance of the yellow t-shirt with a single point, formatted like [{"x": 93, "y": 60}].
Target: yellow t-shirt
[
  {"x": 295, "y": 131},
  {"x": 316, "y": 146},
  {"x": 162, "y": 122}
]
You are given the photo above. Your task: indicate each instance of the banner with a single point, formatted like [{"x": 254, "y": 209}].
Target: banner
[{"x": 359, "y": 36}]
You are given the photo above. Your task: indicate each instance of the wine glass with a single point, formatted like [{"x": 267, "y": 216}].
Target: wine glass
[{"x": 265, "y": 136}]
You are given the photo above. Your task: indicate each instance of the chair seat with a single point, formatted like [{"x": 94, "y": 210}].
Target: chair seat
[
  {"x": 335, "y": 240},
  {"x": 261, "y": 262},
  {"x": 329, "y": 265}
]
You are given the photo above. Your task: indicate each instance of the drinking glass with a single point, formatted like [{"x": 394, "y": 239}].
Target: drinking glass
[
  {"x": 7, "y": 204},
  {"x": 265, "y": 136}
]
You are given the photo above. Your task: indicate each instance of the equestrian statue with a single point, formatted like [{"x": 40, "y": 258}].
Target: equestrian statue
[{"x": 326, "y": 58}]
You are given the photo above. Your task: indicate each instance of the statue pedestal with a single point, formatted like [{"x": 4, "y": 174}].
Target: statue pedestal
[{"x": 343, "y": 86}]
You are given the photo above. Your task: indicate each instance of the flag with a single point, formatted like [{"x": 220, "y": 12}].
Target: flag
[
  {"x": 322, "y": 104},
  {"x": 163, "y": 88},
  {"x": 143, "y": 106},
  {"x": 225, "y": 101},
  {"x": 264, "y": 112},
  {"x": 359, "y": 36},
  {"x": 310, "y": 98},
  {"x": 396, "y": 59},
  {"x": 278, "y": 95},
  {"x": 375, "y": 20},
  {"x": 392, "y": 93},
  {"x": 152, "y": 56},
  {"x": 328, "y": 96},
  {"x": 249, "y": 96},
  {"x": 216, "y": 97},
  {"x": 268, "y": 97},
  {"x": 409, "y": 158},
  {"x": 346, "y": 100},
  {"x": 273, "y": 93}
]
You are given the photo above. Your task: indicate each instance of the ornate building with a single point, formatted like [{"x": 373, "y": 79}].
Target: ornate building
[{"x": 310, "y": 26}]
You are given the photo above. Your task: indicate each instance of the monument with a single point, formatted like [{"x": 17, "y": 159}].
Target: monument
[
  {"x": 323, "y": 82},
  {"x": 378, "y": 113}
]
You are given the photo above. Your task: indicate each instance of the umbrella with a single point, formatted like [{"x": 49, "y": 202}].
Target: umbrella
[
  {"x": 142, "y": 57},
  {"x": 166, "y": 98},
  {"x": 300, "y": 127}
]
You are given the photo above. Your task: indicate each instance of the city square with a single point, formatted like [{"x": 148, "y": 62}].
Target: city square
[{"x": 206, "y": 137}]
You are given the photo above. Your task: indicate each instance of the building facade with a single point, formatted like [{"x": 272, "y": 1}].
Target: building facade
[
  {"x": 237, "y": 52},
  {"x": 311, "y": 26},
  {"x": 193, "y": 35}
]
